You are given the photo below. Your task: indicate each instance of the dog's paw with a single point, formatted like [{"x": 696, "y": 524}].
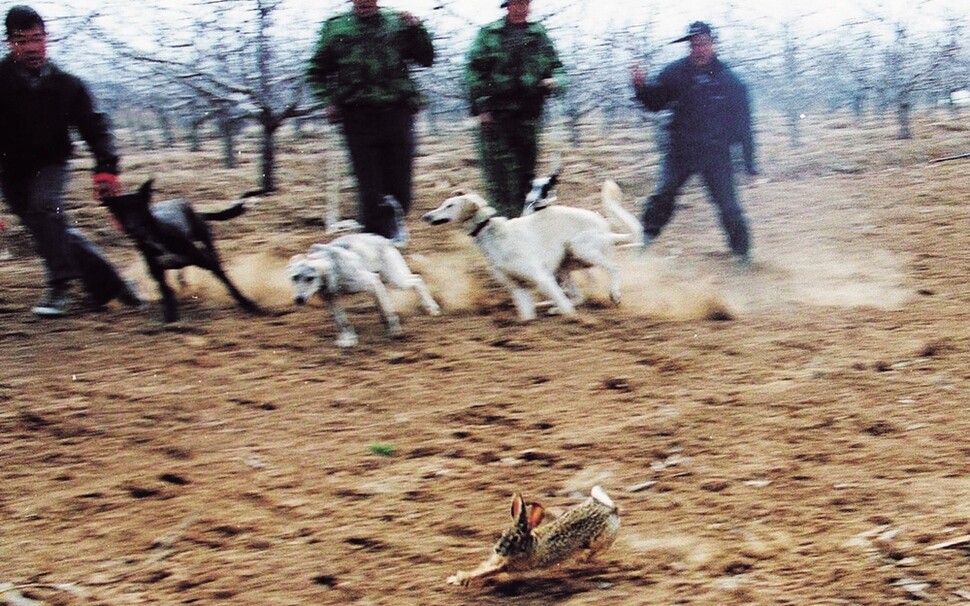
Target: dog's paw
[{"x": 394, "y": 328}]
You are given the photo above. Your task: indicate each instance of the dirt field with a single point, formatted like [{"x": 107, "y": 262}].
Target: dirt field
[{"x": 793, "y": 433}]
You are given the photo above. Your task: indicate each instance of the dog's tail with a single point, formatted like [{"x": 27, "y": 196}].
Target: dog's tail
[
  {"x": 244, "y": 203},
  {"x": 225, "y": 214},
  {"x": 612, "y": 198}
]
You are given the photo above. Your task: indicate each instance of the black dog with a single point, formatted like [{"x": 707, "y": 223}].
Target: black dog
[{"x": 172, "y": 235}]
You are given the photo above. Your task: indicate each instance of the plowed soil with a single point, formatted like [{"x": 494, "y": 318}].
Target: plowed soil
[{"x": 795, "y": 432}]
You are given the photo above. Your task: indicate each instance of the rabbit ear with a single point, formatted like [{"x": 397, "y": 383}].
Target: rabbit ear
[
  {"x": 536, "y": 511},
  {"x": 518, "y": 509}
]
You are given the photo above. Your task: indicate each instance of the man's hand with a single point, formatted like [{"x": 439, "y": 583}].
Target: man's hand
[
  {"x": 639, "y": 80},
  {"x": 549, "y": 85},
  {"x": 485, "y": 121},
  {"x": 106, "y": 185}
]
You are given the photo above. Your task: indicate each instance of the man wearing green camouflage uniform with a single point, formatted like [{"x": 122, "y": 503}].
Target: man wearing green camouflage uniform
[
  {"x": 512, "y": 68},
  {"x": 360, "y": 71}
]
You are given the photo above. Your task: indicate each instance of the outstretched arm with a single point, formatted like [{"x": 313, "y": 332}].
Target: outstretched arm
[
  {"x": 656, "y": 94},
  {"x": 95, "y": 130}
]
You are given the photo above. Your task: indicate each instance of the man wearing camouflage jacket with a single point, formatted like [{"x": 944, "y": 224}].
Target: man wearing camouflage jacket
[
  {"x": 512, "y": 68},
  {"x": 361, "y": 72}
]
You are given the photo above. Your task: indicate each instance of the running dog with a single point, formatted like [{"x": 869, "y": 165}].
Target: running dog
[
  {"x": 541, "y": 248},
  {"x": 356, "y": 263},
  {"x": 172, "y": 235}
]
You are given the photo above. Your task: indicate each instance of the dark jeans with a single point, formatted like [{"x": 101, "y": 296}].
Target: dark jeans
[
  {"x": 509, "y": 147},
  {"x": 36, "y": 196},
  {"x": 714, "y": 167},
  {"x": 381, "y": 145}
]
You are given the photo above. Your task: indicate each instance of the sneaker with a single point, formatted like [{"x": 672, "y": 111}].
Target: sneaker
[{"x": 54, "y": 302}]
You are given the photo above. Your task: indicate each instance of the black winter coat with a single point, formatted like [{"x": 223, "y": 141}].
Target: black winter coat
[
  {"x": 37, "y": 113},
  {"x": 710, "y": 107}
]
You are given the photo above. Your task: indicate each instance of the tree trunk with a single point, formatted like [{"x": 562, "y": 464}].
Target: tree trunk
[
  {"x": 165, "y": 123},
  {"x": 195, "y": 138},
  {"x": 228, "y": 131},
  {"x": 903, "y": 111},
  {"x": 794, "y": 128},
  {"x": 268, "y": 156},
  {"x": 857, "y": 107}
]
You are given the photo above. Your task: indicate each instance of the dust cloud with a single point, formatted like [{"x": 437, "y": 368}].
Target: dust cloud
[{"x": 652, "y": 286}]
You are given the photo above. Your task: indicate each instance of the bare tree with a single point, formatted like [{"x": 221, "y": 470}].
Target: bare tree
[{"x": 231, "y": 65}]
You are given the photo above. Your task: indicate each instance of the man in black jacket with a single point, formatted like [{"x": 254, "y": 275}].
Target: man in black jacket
[
  {"x": 39, "y": 105},
  {"x": 710, "y": 112}
]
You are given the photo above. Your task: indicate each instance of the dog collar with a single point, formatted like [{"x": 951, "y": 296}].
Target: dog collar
[{"x": 479, "y": 220}]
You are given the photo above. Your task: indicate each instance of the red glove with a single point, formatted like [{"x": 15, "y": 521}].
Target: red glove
[{"x": 106, "y": 185}]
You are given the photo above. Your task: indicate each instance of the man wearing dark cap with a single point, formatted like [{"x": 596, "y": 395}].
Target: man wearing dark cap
[
  {"x": 40, "y": 105},
  {"x": 710, "y": 111},
  {"x": 361, "y": 72},
  {"x": 512, "y": 68}
]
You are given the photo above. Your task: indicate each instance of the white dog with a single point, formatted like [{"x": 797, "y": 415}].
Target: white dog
[
  {"x": 356, "y": 263},
  {"x": 541, "y": 248}
]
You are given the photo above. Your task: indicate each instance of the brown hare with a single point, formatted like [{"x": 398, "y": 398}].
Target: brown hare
[{"x": 580, "y": 533}]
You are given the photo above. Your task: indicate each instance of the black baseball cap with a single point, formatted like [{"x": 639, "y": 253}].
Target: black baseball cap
[
  {"x": 695, "y": 29},
  {"x": 22, "y": 17},
  {"x": 506, "y": 3}
]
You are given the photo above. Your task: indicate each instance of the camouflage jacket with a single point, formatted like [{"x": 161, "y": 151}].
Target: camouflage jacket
[
  {"x": 364, "y": 62},
  {"x": 506, "y": 66}
]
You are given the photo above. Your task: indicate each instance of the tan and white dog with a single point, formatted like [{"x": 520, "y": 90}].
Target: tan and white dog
[
  {"x": 356, "y": 263},
  {"x": 540, "y": 249}
]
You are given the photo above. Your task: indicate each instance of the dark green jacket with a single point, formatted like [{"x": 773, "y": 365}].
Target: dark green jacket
[
  {"x": 364, "y": 62},
  {"x": 506, "y": 66}
]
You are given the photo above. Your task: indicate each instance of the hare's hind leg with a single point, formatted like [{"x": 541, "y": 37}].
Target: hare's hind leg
[{"x": 599, "y": 544}]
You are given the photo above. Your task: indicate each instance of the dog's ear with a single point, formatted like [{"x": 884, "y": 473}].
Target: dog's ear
[
  {"x": 477, "y": 201},
  {"x": 145, "y": 191}
]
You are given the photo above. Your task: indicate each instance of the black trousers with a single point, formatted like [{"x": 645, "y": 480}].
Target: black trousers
[
  {"x": 381, "y": 145},
  {"x": 36, "y": 196},
  {"x": 714, "y": 167}
]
